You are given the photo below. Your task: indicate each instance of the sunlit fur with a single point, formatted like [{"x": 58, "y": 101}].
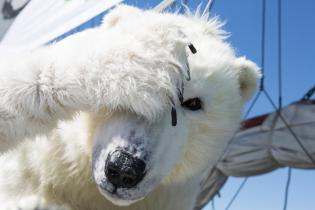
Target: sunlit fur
[{"x": 54, "y": 99}]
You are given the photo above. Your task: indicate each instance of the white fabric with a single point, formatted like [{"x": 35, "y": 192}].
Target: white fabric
[
  {"x": 263, "y": 148},
  {"x": 42, "y": 21}
]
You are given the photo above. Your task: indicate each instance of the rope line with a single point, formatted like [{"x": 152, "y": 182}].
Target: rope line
[
  {"x": 279, "y": 55},
  {"x": 287, "y": 187},
  {"x": 298, "y": 140},
  {"x": 252, "y": 105},
  {"x": 309, "y": 94},
  {"x": 263, "y": 39},
  {"x": 236, "y": 193},
  {"x": 213, "y": 204},
  {"x": 286, "y": 192}
]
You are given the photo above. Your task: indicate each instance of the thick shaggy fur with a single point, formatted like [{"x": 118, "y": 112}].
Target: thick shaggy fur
[{"x": 57, "y": 102}]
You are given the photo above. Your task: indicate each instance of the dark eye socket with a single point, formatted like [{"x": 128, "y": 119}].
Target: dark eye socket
[{"x": 192, "y": 104}]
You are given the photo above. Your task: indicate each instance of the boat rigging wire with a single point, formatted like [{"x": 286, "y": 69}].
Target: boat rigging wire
[
  {"x": 262, "y": 45},
  {"x": 286, "y": 192},
  {"x": 237, "y": 193},
  {"x": 309, "y": 94},
  {"x": 298, "y": 140},
  {"x": 288, "y": 183},
  {"x": 279, "y": 55},
  {"x": 212, "y": 204}
]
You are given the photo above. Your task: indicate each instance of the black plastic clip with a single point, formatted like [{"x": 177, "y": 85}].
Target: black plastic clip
[
  {"x": 174, "y": 116},
  {"x": 192, "y": 48}
]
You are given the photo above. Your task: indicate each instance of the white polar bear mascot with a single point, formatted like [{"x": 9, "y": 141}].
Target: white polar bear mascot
[{"x": 124, "y": 116}]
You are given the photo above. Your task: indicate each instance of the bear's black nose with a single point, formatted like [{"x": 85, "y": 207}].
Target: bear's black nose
[{"x": 124, "y": 170}]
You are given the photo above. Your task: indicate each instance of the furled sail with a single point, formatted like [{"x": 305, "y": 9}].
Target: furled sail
[{"x": 266, "y": 143}]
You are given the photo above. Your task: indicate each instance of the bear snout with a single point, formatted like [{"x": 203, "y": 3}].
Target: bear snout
[{"x": 123, "y": 170}]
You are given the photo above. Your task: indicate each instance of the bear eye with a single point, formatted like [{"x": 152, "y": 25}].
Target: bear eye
[{"x": 192, "y": 104}]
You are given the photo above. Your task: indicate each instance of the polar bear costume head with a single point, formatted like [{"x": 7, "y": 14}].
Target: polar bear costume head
[{"x": 135, "y": 153}]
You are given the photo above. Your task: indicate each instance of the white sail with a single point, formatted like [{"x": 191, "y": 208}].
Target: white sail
[
  {"x": 264, "y": 144},
  {"x": 42, "y": 21}
]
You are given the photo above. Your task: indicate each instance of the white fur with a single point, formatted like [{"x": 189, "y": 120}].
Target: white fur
[{"x": 114, "y": 86}]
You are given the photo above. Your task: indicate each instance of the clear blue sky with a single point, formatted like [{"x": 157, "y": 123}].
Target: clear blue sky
[{"x": 243, "y": 20}]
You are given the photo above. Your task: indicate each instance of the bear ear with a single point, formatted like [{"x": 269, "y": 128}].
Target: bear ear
[
  {"x": 248, "y": 75},
  {"x": 120, "y": 12}
]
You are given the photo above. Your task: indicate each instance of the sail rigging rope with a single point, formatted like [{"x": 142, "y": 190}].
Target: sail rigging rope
[
  {"x": 288, "y": 183},
  {"x": 213, "y": 204},
  {"x": 295, "y": 136},
  {"x": 262, "y": 44},
  {"x": 286, "y": 193},
  {"x": 237, "y": 193},
  {"x": 309, "y": 94},
  {"x": 279, "y": 55}
]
